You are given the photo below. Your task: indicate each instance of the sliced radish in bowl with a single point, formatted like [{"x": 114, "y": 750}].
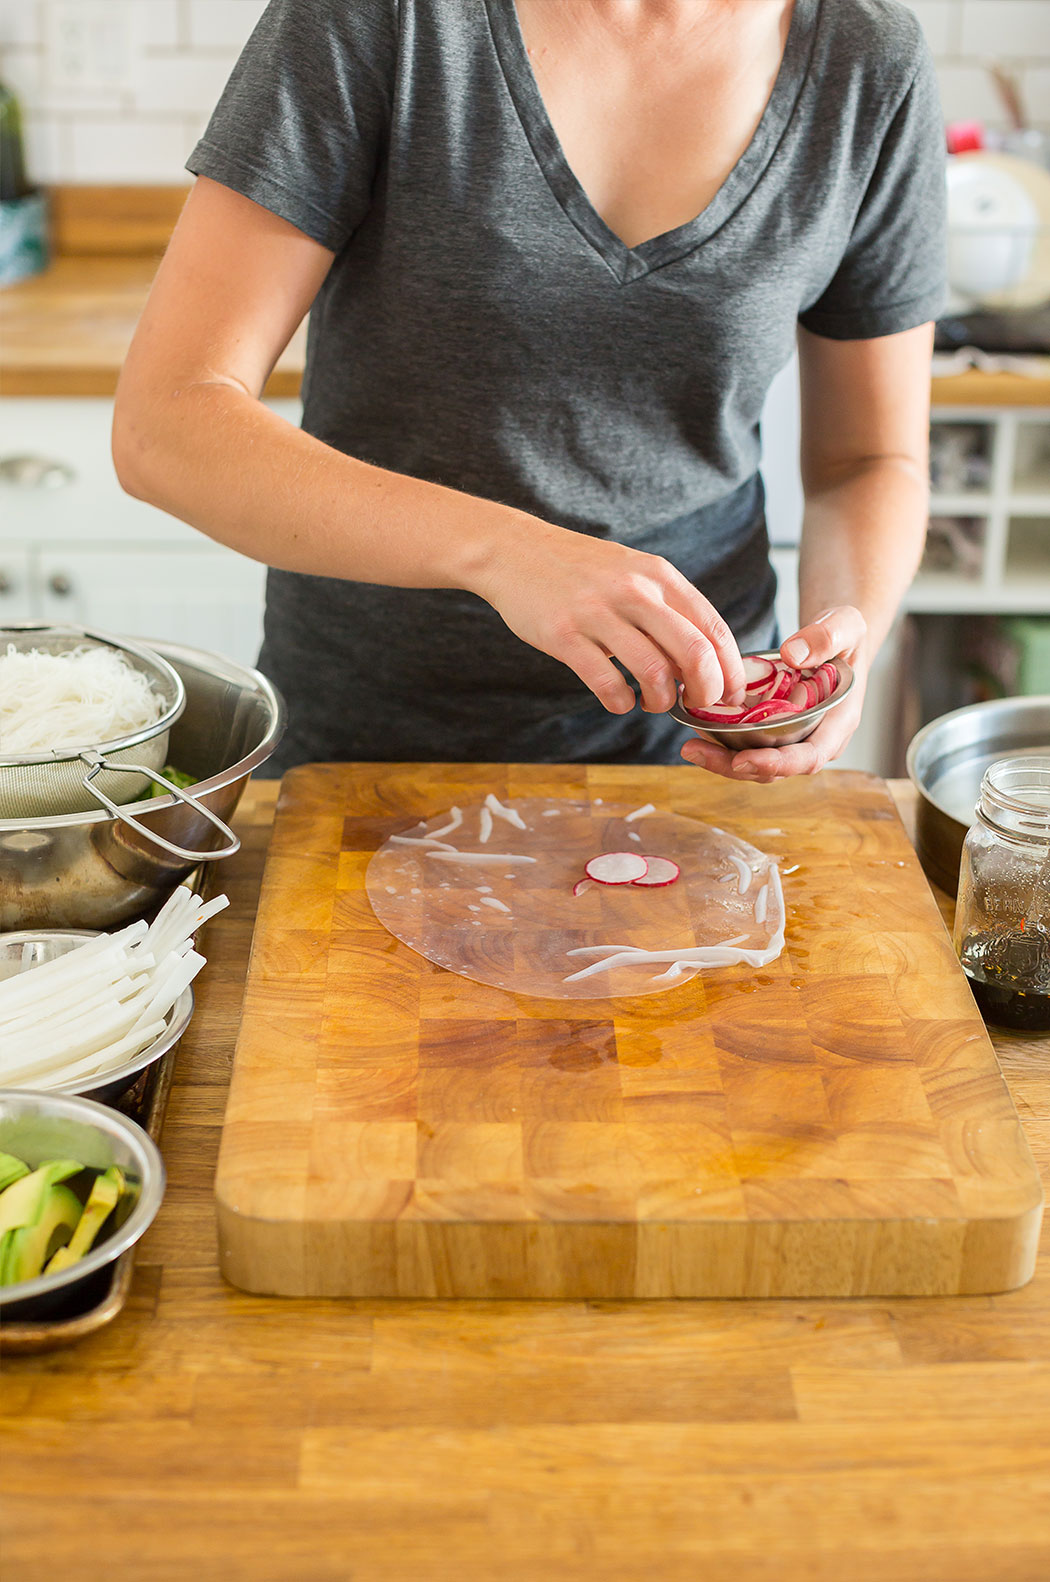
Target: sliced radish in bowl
[
  {"x": 617, "y": 867},
  {"x": 786, "y": 678},
  {"x": 775, "y": 709},
  {"x": 758, "y": 672},
  {"x": 661, "y": 871},
  {"x": 719, "y": 713},
  {"x": 774, "y": 692},
  {"x": 828, "y": 677}
]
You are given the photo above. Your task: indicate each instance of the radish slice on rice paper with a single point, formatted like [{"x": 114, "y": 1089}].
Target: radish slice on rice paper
[
  {"x": 660, "y": 873},
  {"x": 422, "y": 894}
]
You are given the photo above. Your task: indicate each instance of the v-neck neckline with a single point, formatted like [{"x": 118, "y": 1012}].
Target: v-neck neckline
[{"x": 633, "y": 263}]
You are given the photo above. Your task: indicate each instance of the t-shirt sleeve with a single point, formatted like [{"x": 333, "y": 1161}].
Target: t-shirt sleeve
[
  {"x": 892, "y": 275},
  {"x": 303, "y": 121}
]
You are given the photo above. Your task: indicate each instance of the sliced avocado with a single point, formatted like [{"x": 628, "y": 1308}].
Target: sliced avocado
[
  {"x": 11, "y": 1169},
  {"x": 30, "y": 1246},
  {"x": 104, "y": 1197},
  {"x": 22, "y": 1203}
]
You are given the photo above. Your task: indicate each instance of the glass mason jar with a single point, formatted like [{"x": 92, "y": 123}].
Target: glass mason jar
[{"x": 1002, "y": 917}]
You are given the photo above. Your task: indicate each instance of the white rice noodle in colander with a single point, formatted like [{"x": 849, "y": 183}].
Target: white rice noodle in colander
[{"x": 71, "y": 700}]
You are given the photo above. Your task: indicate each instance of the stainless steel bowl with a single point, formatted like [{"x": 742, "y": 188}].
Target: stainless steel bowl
[
  {"x": 47, "y": 946},
  {"x": 946, "y": 763},
  {"x": 87, "y": 870},
  {"x": 777, "y": 732},
  {"x": 39, "y": 1126}
]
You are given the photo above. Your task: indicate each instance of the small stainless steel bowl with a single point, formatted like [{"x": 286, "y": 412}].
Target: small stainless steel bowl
[
  {"x": 946, "y": 764},
  {"x": 47, "y": 945},
  {"x": 782, "y": 732},
  {"x": 40, "y": 1126}
]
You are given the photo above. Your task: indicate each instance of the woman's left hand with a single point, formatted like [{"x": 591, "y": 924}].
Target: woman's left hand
[{"x": 838, "y": 633}]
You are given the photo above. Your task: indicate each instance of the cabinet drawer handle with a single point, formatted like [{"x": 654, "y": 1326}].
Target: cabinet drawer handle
[
  {"x": 60, "y": 585},
  {"x": 35, "y": 472}
]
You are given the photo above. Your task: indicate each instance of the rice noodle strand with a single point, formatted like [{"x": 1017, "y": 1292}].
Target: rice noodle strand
[{"x": 58, "y": 702}]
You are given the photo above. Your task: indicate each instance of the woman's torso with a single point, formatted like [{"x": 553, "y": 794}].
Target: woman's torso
[{"x": 483, "y": 327}]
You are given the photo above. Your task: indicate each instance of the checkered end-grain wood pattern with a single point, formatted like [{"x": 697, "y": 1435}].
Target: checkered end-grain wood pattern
[{"x": 833, "y": 1125}]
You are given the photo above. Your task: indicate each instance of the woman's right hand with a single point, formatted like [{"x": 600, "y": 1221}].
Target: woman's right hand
[{"x": 587, "y": 601}]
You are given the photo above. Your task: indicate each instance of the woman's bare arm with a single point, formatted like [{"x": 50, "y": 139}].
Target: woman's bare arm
[
  {"x": 192, "y": 435},
  {"x": 865, "y": 437}
]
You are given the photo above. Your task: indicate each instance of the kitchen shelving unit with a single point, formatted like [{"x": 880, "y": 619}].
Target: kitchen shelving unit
[{"x": 1010, "y": 516}]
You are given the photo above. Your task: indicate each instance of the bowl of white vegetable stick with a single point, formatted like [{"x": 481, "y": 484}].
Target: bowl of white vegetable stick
[{"x": 85, "y": 1013}]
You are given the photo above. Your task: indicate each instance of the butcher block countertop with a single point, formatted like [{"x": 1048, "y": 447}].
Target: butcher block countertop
[
  {"x": 214, "y": 1434},
  {"x": 67, "y": 332}
]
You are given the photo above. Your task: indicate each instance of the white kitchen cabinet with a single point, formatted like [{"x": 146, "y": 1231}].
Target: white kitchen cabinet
[
  {"x": 74, "y": 547},
  {"x": 15, "y": 583},
  {"x": 203, "y": 597}
]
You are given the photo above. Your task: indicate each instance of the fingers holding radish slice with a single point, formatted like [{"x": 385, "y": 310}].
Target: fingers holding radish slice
[{"x": 775, "y": 690}]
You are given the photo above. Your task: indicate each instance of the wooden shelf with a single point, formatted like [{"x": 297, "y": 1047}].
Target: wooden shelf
[{"x": 975, "y": 388}]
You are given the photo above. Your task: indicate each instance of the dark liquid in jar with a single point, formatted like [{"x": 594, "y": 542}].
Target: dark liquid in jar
[{"x": 1009, "y": 973}]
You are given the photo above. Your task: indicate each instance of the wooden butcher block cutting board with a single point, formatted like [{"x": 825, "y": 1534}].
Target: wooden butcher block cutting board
[{"x": 834, "y": 1124}]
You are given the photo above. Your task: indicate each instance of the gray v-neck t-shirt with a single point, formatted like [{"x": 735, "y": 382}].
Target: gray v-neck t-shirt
[{"x": 483, "y": 328}]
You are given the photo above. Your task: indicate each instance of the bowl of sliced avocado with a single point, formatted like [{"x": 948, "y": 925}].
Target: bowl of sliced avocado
[{"x": 79, "y": 1184}]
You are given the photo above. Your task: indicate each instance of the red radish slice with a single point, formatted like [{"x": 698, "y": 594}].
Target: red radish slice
[
  {"x": 808, "y": 691},
  {"x": 581, "y": 885},
  {"x": 768, "y": 711},
  {"x": 827, "y": 669},
  {"x": 785, "y": 681},
  {"x": 719, "y": 714},
  {"x": 755, "y": 695},
  {"x": 617, "y": 867},
  {"x": 662, "y": 871},
  {"x": 757, "y": 672}
]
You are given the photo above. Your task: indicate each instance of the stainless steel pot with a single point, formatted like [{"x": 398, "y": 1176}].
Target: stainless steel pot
[
  {"x": 89, "y": 870},
  {"x": 946, "y": 763}
]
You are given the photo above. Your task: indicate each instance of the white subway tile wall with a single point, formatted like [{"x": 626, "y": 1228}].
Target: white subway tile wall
[{"x": 119, "y": 90}]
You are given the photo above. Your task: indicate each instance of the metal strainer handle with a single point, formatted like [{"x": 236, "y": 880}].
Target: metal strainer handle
[{"x": 98, "y": 762}]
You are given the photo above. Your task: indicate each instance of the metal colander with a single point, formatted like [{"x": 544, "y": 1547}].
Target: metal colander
[
  {"x": 68, "y": 779},
  {"x": 74, "y": 780}
]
